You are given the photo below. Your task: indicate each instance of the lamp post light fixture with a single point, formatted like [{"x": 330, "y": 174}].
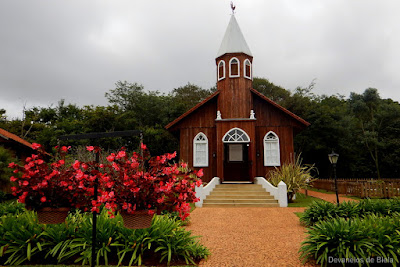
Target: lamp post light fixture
[{"x": 333, "y": 158}]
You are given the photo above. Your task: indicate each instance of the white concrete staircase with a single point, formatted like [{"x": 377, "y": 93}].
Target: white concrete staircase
[{"x": 239, "y": 195}]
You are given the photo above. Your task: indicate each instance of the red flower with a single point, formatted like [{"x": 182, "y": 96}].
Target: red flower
[
  {"x": 25, "y": 183},
  {"x": 43, "y": 199},
  {"x": 76, "y": 165},
  {"x": 198, "y": 183},
  {"x": 36, "y": 146},
  {"x": 12, "y": 165},
  {"x": 121, "y": 154},
  {"x": 111, "y": 157},
  {"x": 200, "y": 173},
  {"x": 65, "y": 149}
]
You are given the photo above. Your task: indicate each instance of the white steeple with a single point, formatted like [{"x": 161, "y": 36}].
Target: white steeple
[{"x": 233, "y": 41}]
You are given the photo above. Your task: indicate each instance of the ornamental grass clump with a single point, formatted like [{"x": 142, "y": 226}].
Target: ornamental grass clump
[
  {"x": 24, "y": 241},
  {"x": 322, "y": 211},
  {"x": 360, "y": 241},
  {"x": 295, "y": 175}
]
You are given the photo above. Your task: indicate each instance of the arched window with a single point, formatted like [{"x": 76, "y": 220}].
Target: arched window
[
  {"x": 221, "y": 70},
  {"x": 200, "y": 150},
  {"x": 236, "y": 135},
  {"x": 271, "y": 150},
  {"x": 234, "y": 67},
  {"x": 247, "y": 69}
]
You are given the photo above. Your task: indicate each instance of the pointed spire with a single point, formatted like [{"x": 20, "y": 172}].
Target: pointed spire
[{"x": 233, "y": 41}]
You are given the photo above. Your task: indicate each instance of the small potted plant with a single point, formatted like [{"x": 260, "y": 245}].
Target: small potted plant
[
  {"x": 50, "y": 189},
  {"x": 139, "y": 186}
]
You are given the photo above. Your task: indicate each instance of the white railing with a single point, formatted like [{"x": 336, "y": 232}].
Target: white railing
[
  {"x": 203, "y": 191},
  {"x": 280, "y": 192}
]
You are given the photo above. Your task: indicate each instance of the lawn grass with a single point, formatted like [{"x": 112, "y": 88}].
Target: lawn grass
[
  {"x": 321, "y": 190},
  {"x": 303, "y": 200}
]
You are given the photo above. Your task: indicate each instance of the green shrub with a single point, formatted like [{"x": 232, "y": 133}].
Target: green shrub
[
  {"x": 5, "y": 172},
  {"x": 23, "y": 240},
  {"x": 11, "y": 207},
  {"x": 20, "y": 237},
  {"x": 321, "y": 211},
  {"x": 358, "y": 238}
]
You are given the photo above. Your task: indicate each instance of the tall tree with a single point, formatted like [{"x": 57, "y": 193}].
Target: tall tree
[
  {"x": 276, "y": 93},
  {"x": 366, "y": 109}
]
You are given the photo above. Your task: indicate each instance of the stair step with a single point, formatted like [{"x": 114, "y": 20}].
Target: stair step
[
  {"x": 216, "y": 201},
  {"x": 240, "y": 197},
  {"x": 253, "y": 189},
  {"x": 238, "y": 193},
  {"x": 238, "y": 205},
  {"x": 238, "y": 186}
]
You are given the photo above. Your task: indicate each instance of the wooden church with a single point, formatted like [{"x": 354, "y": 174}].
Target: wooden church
[{"x": 236, "y": 133}]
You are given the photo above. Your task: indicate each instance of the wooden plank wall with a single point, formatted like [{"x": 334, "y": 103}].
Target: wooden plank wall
[
  {"x": 270, "y": 118},
  {"x": 201, "y": 120},
  {"x": 235, "y": 100}
]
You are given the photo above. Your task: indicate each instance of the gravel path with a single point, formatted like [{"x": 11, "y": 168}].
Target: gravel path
[
  {"x": 249, "y": 236},
  {"x": 327, "y": 197}
]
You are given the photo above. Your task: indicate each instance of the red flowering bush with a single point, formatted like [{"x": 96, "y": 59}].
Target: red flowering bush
[
  {"x": 138, "y": 182},
  {"x": 53, "y": 185},
  {"x": 125, "y": 182}
]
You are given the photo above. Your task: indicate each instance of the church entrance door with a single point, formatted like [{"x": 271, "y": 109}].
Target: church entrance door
[{"x": 236, "y": 163}]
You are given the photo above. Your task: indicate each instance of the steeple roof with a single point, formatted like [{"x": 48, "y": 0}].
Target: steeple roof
[{"x": 233, "y": 41}]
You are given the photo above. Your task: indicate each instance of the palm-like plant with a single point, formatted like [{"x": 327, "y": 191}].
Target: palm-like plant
[{"x": 295, "y": 175}]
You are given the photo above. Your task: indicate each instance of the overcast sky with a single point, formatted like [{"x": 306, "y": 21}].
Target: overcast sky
[{"x": 77, "y": 50}]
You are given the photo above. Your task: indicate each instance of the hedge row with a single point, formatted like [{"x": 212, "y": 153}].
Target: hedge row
[{"x": 322, "y": 211}]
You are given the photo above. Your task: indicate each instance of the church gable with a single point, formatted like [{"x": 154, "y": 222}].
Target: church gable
[
  {"x": 201, "y": 115},
  {"x": 270, "y": 113}
]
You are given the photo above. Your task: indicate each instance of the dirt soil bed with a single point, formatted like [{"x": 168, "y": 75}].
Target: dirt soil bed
[{"x": 249, "y": 236}]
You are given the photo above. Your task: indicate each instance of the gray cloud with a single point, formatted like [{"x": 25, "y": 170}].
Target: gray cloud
[{"x": 77, "y": 50}]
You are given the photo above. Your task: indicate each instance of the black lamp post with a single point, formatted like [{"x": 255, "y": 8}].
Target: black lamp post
[{"x": 333, "y": 158}]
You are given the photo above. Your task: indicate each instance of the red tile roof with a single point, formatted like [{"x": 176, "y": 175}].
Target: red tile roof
[
  {"x": 191, "y": 110},
  {"x": 7, "y": 135}
]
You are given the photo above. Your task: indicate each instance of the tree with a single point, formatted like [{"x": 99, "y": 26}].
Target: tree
[
  {"x": 3, "y": 116},
  {"x": 366, "y": 109},
  {"x": 189, "y": 95},
  {"x": 276, "y": 93}
]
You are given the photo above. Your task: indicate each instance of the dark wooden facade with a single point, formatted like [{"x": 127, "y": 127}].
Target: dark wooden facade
[
  {"x": 233, "y": 106},
  {"x": 269, "y": 116}
]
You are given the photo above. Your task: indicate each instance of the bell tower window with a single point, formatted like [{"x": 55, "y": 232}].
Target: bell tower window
[
  {"x": 247, "y": 69},
  {"x": 234, "y": 67},
  {"x": 221, "y": 70}
]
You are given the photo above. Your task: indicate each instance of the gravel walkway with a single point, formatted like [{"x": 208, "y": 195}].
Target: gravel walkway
[
  {"x": 327, "y": 197},
  {"x": 249, "y": 236}
]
